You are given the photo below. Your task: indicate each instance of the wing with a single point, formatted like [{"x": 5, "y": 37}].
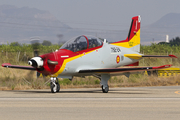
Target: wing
[
  {"x": 8, "y": 65},
  {"x": 123, "y": 70},
  {"x": 160, "y": 56},
  {"x": 138, "y": 56}
]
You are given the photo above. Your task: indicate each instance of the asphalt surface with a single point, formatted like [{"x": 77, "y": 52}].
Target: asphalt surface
[{"x": 135, "y": 103}]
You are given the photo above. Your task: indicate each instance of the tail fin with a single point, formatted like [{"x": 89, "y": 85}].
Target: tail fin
[{"x": 133, "y": 39}]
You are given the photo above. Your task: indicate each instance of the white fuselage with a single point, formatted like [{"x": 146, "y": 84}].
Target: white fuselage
[{"x": 104, "y": 57}]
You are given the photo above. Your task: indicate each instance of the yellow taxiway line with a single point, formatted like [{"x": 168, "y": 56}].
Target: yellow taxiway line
[{"x": 177, "y": 92}]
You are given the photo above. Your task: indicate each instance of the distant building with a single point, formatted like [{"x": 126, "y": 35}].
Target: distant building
[{"x": 167, "y": 38}]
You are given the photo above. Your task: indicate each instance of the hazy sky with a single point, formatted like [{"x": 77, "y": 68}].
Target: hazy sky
[{"x": 100, "y": 14}]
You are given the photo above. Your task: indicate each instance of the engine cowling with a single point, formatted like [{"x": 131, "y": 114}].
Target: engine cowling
[{"x": 36, "y": 62}]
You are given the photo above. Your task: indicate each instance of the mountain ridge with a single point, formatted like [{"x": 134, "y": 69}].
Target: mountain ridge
[
  {"x": 23, "y": 24},
  {"x": 20, "y": 24},
  {"x": 167, "y": 25}
]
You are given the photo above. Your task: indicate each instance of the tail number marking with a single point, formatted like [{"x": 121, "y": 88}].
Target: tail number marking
[{"x": 115, "y": 50}]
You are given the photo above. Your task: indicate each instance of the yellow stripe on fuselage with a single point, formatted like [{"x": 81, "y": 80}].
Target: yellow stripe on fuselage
[
  {"x": 133, "y": 42},
  {"x": 68, "y": 60}
]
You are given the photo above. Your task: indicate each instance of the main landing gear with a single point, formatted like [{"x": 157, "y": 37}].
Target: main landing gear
[
  {"x": 104, "y": 83},
  {"x": 55, "y": 87},
  {"x": 105, "y": 89}
]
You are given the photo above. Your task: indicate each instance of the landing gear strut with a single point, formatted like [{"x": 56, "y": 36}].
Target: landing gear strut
[
  {"x": 104, "y": 82},
  {"x": 55, "y": 87}
]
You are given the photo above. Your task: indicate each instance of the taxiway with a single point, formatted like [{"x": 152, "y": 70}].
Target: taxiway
[{"x": 137, "y": 103}]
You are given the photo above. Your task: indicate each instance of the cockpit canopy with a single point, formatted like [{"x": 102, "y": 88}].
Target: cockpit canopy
[{"x": 82, "y": 43}]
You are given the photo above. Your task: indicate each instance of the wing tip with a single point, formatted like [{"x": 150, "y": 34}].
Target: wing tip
[
  {"x": 5, "y": 64},
  {"x": 173, "y": 56},
  {"x": 163, "y": 66}
]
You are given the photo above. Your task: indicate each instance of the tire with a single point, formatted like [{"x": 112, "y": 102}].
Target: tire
[
  {"x": 106, "y": 89},
  {"x": 52, "y": 88},
  {"x": 58, "y": 87}
]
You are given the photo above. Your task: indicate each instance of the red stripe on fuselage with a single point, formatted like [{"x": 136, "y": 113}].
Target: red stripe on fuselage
[{"x": 56, "y": 56}]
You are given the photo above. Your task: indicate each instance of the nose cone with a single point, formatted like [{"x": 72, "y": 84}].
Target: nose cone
[
  {"x": 36, "y": 62},
  {"x": 30, "y": 63}
]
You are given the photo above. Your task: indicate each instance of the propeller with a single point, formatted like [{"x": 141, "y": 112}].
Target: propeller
[
  {"x": 36, "y": 61},
  {"x": 39, "y": 61}
]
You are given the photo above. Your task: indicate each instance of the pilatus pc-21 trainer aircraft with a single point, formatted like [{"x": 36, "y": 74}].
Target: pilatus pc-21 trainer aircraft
[{"x": 89, "y": 56}]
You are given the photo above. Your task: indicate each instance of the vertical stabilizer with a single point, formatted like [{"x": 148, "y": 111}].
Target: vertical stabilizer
[{"x": 133, "y": 39}]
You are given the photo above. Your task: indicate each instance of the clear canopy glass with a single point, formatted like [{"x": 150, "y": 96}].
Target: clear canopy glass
[{"x": 81, "y": 43}]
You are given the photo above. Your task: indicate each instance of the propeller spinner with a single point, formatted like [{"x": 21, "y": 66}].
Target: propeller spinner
[{"x": 36, "y": 62}]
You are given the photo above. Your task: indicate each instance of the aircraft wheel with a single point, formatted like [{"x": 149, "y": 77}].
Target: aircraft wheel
[
  {"x": 58, "y": 87},
  {"x": 106, "y": 89},
  {"x": 53, "y": 88}
]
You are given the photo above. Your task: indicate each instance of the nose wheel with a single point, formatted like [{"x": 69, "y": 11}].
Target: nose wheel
[
  {"x": 55, "y": 87},
  {"x": 105, "y": 89}
]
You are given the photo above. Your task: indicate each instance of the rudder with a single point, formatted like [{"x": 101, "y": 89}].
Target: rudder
[{"x": 133, "y": 39}]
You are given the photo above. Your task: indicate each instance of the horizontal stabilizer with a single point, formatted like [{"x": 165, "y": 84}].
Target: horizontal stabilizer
[
  {"x": 8, "y": 65},
  {"x": 133, "y": 56}
]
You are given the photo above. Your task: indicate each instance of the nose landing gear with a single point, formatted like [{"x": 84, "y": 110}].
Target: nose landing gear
[
  {"x": 104, "y": 82},
  {"x": 55, "y": 87}
]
